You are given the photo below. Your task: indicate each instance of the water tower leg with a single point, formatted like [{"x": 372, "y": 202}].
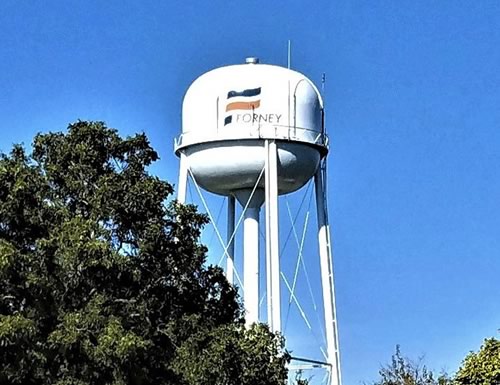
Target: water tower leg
[
  {"x": 325, "y": 254},
  {"x": 230, "y": 239},
  {"x": 251, "y": 200},
  {"x": 251, "y": 264},
  {"x": 183, "y": 177},
  {"x": 272, "y": 238}
]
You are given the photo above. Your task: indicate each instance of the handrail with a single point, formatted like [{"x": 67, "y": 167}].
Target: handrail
[
  {"x": 309, "y": 361},
  {"x": 280, "y": 132}
]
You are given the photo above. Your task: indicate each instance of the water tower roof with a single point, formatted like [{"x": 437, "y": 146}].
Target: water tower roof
[{"x": 248, "y": 101}]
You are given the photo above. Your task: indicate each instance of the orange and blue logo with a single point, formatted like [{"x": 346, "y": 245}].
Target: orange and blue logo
[{"x": 242, "y": 100}]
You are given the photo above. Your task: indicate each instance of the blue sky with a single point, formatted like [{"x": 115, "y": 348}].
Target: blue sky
[{"x": 412, "y": 96}]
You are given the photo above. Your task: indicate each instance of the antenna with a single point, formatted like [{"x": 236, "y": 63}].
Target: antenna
[{"x": 289, "y": 53}]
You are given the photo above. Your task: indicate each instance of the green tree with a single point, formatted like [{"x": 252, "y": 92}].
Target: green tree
[
  {"x": 404, "y": 371},
  {"x": 483, "y": 367},
  {"x": 104, "y": 282}
]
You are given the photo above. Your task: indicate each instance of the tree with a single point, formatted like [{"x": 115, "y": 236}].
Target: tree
[
  {"x": 103, "y": 282},
  {"x": 483, "y": 367},
  {"x": 403, "y": 371},
  {"x": 233, "y": 356}
]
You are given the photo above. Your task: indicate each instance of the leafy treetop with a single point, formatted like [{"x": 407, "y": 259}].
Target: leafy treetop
[
  {"x": 483, "y": 367},
  {"x": 103, "y": 282}
]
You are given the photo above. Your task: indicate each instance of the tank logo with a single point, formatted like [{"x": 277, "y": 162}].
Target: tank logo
[{"x": 248, "y": 99}]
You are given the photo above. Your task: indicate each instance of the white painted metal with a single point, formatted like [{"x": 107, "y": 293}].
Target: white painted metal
[
  {"x": 216, "y": 229},
  {"x": 230, "y": 239},
  {"x": 325, "y": 254},
  {"x": 205, "y": 105},
  {"x": 183, "y": 178},
  {"x": 272, "y": 238},
  {"x": 252, "y": 60},
  {"x": 279, "y": 104},
  {"x": 224, "y": 167},
  {"x": 294, "y": 299},
  {"x": 252, "y": 200},
  {"x": 251, "y": 264},
  {"x": 269, "y": 276},
  {"x": 274, "y": 233}
]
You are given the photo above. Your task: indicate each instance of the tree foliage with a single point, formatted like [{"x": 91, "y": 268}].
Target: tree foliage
[
  {"x": 103, "y": 282},
  {"x": 404, "y": 371},
  {"x": 483, "y": 367}
]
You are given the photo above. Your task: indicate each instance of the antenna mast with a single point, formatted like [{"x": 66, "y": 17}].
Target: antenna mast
[{"x": 289, "y": 53}]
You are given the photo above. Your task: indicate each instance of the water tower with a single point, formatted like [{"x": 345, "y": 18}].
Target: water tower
[{"x": 252, "y": 132}]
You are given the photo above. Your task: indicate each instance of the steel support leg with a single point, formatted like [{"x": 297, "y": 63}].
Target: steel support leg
[
  {"x": 272, "y": 238},
  {"x": 230, "y": 239},
  {"x": 325, "y": 254},
  {"x": 183, "y": 178},
  {"x": 251, "y": 264}
]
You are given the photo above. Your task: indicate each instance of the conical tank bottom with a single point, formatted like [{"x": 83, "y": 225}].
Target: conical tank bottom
[{"x": 245, "y": 197}]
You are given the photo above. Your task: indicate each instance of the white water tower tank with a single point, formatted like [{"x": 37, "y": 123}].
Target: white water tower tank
[{"x": 227, "y": 114}]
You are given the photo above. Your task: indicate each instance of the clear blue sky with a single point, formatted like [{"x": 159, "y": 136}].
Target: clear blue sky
[{"x": 413, "y": 98}]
